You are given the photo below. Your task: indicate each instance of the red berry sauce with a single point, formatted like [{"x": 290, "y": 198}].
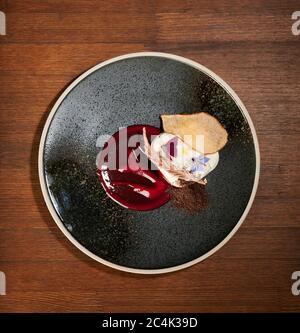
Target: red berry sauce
[{"x": 131, "y": 183}]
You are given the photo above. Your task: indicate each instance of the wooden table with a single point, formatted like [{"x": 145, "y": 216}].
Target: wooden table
[{"x": 251, "y": 46}]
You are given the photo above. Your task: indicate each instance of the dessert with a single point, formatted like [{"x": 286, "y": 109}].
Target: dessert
[{"x": 142, "y": 167}]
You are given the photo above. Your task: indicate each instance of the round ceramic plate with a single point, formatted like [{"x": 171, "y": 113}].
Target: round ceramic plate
[{"x": 137, "y": 89}]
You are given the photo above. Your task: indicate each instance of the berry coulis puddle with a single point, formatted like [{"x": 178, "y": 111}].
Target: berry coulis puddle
[{"x": 130, "y": 181}]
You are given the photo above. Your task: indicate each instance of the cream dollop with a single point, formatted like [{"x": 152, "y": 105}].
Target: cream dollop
[{"x": 193, "y": 165}]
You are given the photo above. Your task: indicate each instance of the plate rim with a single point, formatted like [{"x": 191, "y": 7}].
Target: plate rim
[{"x": 46, "y": 194}]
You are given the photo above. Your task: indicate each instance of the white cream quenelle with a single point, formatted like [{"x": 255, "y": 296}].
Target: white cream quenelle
[{"x": 195, "y": 166}]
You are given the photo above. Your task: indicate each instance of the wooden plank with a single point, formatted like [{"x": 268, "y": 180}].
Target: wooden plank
[
  {"x": 213, "y": 285},
  {"x": 78, "y": 6},
  {"x": 153, "y": 24},
  {"x": 260, "y": 63},
  {"x": 64, "y": 27},
  {"x": 67, "y": 60},
  {"x": 203, "y": 6}
]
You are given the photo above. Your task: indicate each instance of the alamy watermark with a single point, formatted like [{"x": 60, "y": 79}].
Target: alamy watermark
[
  {"x": 2, "y": 24},
  {"x": 296, "y": 24},
  {"x": 296, "y": 284},
  {"x": 115, "y": 151},
  {"x": 2, "y": 284}
]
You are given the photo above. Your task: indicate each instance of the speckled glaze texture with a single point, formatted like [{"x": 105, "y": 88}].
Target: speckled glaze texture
[{"x": 137, "y": 91}]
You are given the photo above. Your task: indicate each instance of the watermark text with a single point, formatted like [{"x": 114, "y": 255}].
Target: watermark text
[
  {"x": 296, "y": 24},
  {"x": 296, "y": 284},
  {"x": 2, "y": 284},
  {"x": 2, "y": 24}
]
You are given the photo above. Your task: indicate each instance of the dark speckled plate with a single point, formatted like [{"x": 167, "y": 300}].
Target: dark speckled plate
[{"x": 137, "y": 89}]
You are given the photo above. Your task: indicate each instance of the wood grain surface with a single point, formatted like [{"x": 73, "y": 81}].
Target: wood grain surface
[{"x": 251, "y": 46}]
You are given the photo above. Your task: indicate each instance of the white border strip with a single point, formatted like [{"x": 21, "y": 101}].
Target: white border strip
[{"x": 41, "y": 165}]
